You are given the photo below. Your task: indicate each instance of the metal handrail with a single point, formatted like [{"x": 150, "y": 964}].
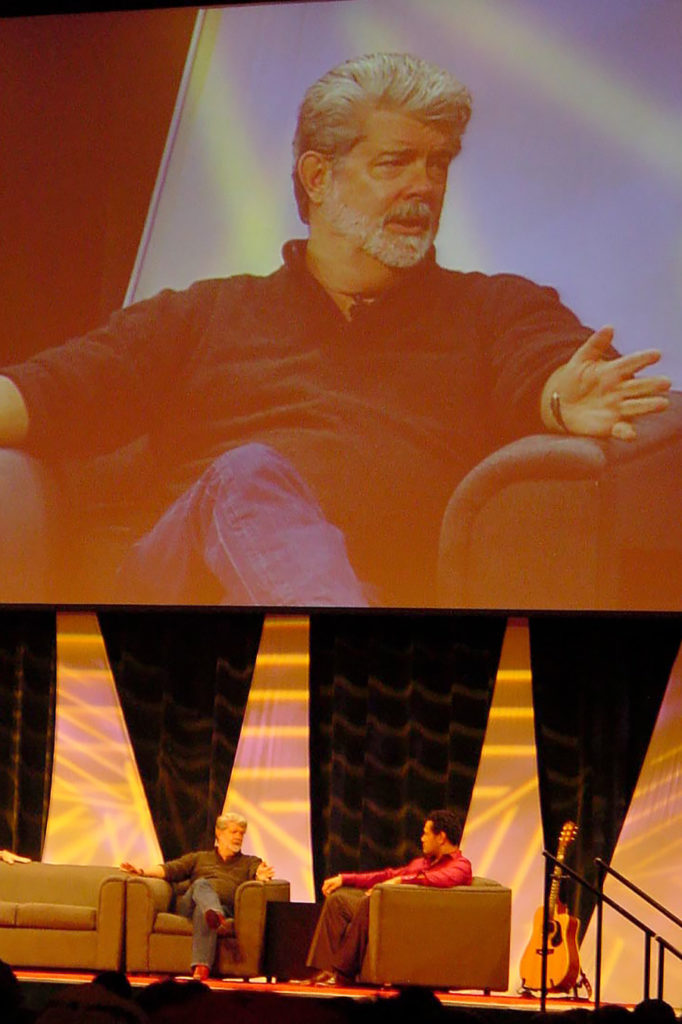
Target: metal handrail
[
  {"x": 602, "y": 898},
  {"x": 639, "y": 892}
]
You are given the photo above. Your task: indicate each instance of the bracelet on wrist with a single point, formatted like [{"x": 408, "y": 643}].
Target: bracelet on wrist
[{"x": 555, "y": 409}]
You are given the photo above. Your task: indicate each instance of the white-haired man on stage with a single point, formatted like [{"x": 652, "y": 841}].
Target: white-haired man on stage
[{"x": 214, "y": 876}]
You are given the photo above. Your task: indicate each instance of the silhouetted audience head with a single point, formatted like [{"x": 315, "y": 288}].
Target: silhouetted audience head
[
  {"x": 90, "y": 1004},
  {"x": 414, "y": 1004},
  {"x": 612, "y": 1013},
  {"x": 654, "y": 1011},
  {"x": 577, "y": 1015},
  {"x": 176, "y": 1000},
  {"x": 11, "y": 996},
  {"x": 116, "y": 982}
]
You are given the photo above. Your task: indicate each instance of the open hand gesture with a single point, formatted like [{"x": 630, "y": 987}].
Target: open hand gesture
[
  {"x": 600, "y": 397},
  {"x": 264, "y": 872},
  {"x": 131, "y": 869}
]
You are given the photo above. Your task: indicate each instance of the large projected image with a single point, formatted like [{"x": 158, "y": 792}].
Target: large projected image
[{"x": 380, "y": 371}]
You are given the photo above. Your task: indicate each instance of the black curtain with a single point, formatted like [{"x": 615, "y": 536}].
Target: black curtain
[
  {"x": 398, "y": 712},
  {"x": 183, "y": 678},
  {"x": 27, "y": 718},
  {"x": 598, "y": 684}
]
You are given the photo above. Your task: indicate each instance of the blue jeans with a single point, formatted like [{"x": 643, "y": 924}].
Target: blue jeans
[
  {"x": 193, "y": 904},
  {"x": 252, "y": 524}
]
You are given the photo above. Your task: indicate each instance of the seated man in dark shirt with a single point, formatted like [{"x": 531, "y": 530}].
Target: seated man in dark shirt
[
  {"x": 286, "y": 413},
  {"x": 214, "y": 876},
  {"x": 340, "y": 939}
]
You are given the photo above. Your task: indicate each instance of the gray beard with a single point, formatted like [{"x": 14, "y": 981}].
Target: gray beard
[{"x": 374, "y": 238}]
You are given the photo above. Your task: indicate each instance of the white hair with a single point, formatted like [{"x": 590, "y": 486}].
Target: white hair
[
  {"x": 223, "y": 820},
  {"x": 329, "y": 116}
]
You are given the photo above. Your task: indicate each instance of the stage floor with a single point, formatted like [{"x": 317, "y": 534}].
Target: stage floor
[{"x": 40, "y": 986}]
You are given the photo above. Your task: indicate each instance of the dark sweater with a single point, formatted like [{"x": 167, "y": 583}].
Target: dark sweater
[
  {"x": 225, "y": 875},
  {"x": 383, "y": 415}
]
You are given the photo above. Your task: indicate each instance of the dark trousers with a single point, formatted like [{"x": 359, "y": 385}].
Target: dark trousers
[{"x": 340, "y": 939}]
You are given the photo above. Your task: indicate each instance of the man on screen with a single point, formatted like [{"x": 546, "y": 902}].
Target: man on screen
[{"x": 309, "y": 427}]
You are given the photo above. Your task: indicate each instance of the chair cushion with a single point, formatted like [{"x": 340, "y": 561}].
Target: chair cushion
[
  {"x": 172, "y": 924},
  {"x": 8, "y": 914},
  {"x": 56, "y": 915},
  {"x": 176, "y": 924}
]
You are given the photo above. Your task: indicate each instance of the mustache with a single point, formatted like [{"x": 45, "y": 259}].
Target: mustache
[{"x": 410, "y": 211}]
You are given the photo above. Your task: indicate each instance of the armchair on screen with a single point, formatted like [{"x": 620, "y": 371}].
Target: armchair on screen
[
  {"x": 439, "y": 938},
  {"x": 159, "y": 940},
  {"x": 570, "y": 522}
]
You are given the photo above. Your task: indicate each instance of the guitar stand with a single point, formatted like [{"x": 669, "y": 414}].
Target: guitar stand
[{"x": 582, "y": 982}]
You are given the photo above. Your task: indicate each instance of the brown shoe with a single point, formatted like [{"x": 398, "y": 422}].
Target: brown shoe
[
  {"x": 321, "y": 978},
  {"x": 201, "y": 972},
  {"x": 217, "y": 922},
  {"x": 327, "y": 979}
]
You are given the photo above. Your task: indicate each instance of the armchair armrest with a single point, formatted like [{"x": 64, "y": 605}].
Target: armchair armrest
[
  {"x": 570, "y": 522},
  {"x": 243, "y": 955},
  {"x": 145, "y": 898},
  {"x": 110, "y": 922}
]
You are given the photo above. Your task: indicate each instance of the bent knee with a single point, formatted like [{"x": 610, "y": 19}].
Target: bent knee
[
  {"x": 251, "y": 458},
  {"x": 259, "y": 470}
]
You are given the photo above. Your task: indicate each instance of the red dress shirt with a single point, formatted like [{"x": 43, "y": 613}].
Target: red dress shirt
[{"x": 449, "y": 870}]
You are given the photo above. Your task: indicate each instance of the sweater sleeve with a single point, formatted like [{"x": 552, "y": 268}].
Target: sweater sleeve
[
  {"x": 94, "y": 393},
  {"x": 527, "y": 333},
  {"x": 181, "y": 868}
]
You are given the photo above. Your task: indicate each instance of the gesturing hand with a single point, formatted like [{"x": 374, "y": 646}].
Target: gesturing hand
[
  {"x": 13, "y": 858},
  {"x": 264, "y": 872},
  {"x": 330, "y": 885},
  {"x": 131, "y": 869},
  {"x": 600, "y": 396}
]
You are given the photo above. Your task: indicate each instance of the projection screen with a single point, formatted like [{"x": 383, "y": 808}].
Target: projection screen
[{"x": 398, "y": 461}]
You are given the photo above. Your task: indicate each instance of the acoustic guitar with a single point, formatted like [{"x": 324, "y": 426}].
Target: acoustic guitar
[{"x": 563, "y": 961}]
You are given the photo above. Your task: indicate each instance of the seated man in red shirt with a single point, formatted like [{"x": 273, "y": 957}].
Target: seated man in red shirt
[{"x": 340, "y": 939}]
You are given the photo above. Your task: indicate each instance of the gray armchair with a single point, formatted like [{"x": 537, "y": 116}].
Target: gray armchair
[
  {"x": 158, "y": 940},
  {"x": 553, "y": 522},
  {"x": 439, "y": 938}
]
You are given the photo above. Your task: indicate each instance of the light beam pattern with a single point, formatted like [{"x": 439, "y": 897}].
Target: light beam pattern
[{"x": 98, "y": 811}]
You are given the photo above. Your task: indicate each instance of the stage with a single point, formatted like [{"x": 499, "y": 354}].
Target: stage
[{"x": 261, "y": 1000}]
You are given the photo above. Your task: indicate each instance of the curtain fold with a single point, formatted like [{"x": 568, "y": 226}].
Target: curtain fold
[
  {"x": 398, "y": 712},
  {"x": 27, "y": 724},
  {"x": 598, "y": 684},
  {"x": 183, "y": 678}
]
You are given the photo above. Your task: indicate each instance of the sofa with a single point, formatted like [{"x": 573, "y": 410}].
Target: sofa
[
  {"x": 439, "y": 938},
  {"x": 62, "y": 916},
  {"x": 160, "y": 941}
]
